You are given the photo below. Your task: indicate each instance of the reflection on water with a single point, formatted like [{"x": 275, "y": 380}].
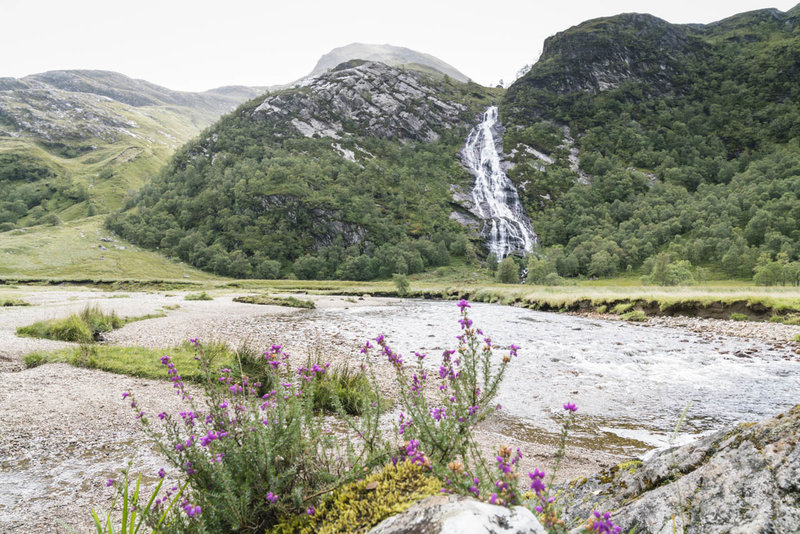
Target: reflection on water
[{"x": 631, "y": 382}]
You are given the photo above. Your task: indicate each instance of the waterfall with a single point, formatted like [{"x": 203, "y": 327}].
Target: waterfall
[{"x": 506, "y": 227}]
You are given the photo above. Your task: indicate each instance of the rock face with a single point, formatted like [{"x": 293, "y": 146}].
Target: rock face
[
  {"x": 456, "y": 514},
  {"x": 745, "y": 480},
  {"x": 368, "y": 99},
  {"x": 388, "y": 54}
]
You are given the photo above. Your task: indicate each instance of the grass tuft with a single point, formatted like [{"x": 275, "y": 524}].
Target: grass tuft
[
  {"x": 14, "y": 302},
  {"x": 738, "y": 317},
  {"x": 198, "y": 296},
  {"x": 88, "y": 326},
  {"x": 291, "y": 302}
]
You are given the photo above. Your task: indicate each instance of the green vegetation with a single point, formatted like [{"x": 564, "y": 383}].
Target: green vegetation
[
  {"x": 692, "y": 161},
  {"x": 13, "y": 302},
  {"x": 84, "y": 327},
  {"x": 270, "y": 300},
  {"x": 87, "y": 326},
  {"x": 401, "y": 283},
  {"x": 634, "y": 316},
  {"x": 361, "y": 505},
  {"x": 265, "y": 202},
  {"x": 198, "y": 296},
  {"x": 84, "y": 250},
  {"x": 738, "y": 317},
  {"x": 508, "y": 271}
]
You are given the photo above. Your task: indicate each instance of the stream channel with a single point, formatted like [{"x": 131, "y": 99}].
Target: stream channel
[{"x": 631, "y": 382}]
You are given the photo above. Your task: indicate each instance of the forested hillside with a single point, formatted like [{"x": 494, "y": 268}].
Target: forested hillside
[
  {"x": 641, "y": 144},
  {"x": 346, "y": 177}
]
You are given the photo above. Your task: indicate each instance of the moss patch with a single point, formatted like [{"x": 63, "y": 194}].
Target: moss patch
[{"x": 361, "y": 505}]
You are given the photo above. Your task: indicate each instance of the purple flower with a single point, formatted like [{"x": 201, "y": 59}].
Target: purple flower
[
  {"x": 194, "y": 341},
  {"x": 162, "y": 415},
  {"x": 493, "y": 498},
  {"x": 536, "y": 481},
  {"x": 311, "y": 511},
  {"x": 162, "y": 473},
  {"x": 109, "y": 482},
  {"x": 192, "y": 511},
  {"x": 463, "y": 304},
  {"x": 125, "y": 395},
  {"x": 570, "y": 407},
  {"x": 271, "y": 497}
]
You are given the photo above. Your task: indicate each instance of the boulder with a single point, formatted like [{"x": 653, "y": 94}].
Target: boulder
[
  {"x": 742, "y": 480},
  {"x": 456, "y": 514}
]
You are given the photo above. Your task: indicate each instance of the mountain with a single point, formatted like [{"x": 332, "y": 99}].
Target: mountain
[
  {"x": 394, "y": 56},
  {"x": 73, "y": 143},
  {"x": 349, "y": 175},
  {"x": 637, "y": 143}
]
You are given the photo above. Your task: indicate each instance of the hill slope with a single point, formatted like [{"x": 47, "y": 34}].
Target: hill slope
[
  {"x": 632, "y": 137},
  {"x": 73, "y": 143},
  {"x": 348, "y": 176}
]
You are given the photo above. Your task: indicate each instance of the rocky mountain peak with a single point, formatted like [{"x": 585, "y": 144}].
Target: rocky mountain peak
[
  {"x": 361, "y": 97},
  {"x": 394, "y": 56}
]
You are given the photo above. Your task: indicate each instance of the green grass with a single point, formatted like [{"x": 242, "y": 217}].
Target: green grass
[
  {"x": 84, "y": 327},
  {"x": 198, "y": 296},
  {"x": 738, "y": 317},
  {"x": 72, "y": 251},
  {"x": 291, "y": 302},
  {"x": 350, "y": 386},
  {"x": 634, "y": 316},
  {"x": 13, "y": 302}
]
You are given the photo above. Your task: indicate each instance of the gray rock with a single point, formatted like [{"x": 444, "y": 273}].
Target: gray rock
[
  {"x": 456, "y": 514},
  {"x": 366, "y": 98},
  {"x": 743, "y": 480}
]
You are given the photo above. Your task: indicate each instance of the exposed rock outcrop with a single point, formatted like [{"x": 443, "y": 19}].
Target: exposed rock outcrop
[
  {"x": 456, "y": 514},
  {"x": 744, "y": 480},
  {"x": 366, "y": 98}
]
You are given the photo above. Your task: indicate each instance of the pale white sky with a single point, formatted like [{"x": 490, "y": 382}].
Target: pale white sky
[{"x": 195, "y": 45}]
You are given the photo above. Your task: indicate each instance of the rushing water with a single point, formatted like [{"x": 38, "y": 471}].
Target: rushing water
[
  {"x": 631, "y": 382},
  {"x": 506, "y": 228}
]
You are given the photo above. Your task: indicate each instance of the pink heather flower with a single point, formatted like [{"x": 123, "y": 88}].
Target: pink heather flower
[{"x": 570, "y": 407}]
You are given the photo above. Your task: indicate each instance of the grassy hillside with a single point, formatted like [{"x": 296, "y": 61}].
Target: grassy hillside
[{"x": 84, "y": 250}]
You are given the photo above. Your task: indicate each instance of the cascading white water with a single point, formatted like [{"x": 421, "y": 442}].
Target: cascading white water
[{"x": 506, "y": 227}]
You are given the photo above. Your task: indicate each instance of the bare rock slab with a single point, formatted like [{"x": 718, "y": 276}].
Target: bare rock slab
[
  {"x": 456, "y": 514},
  {"x": 741, "y": 480}
]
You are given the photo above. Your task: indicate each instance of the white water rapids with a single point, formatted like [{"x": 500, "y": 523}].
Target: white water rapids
[{"x": 506, "y": 227}]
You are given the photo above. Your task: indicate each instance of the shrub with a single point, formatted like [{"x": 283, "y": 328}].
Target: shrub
[
  {"x": 508, "y": 271},
  {"x": 251, "y": 459},
  {"x": 738, "y": 317},
  {"x": 198, "y": 296},
  {"x": 401, "y": 283}
]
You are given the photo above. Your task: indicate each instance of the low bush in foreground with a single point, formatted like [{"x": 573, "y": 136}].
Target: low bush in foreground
[
  {"x": 258, "y": 459},
  {"x": 291, "y": 302}
]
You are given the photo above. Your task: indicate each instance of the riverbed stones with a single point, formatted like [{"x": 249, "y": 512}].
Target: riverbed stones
[
  {"x": 742, "y": 480},
  {"x": 456, "y": 514}
]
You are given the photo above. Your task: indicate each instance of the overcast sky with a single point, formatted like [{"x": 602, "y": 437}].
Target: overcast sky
[{"x": 197, "y": 45}]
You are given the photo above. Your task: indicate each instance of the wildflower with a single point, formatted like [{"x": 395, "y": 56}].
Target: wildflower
[
  {"x": 162, "y": 415},
  {"x": 463, "y": 304},
  {"x": 536, "y": 481},
  {"x": 162, "y": 473},
  {"x": 109, "y": 482},
  {"x": 192, "y": 511},
  {"x": 570, "y": 407},
  {"x": 311, "y": 511},
  {"x": 271, "y": 497},
  {"x": 493, "y": 498},
  {"x": 194, "y": 341}
]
